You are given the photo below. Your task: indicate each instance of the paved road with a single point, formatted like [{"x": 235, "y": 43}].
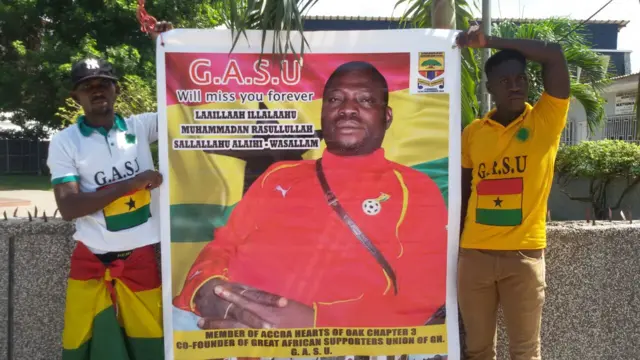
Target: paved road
[{"x": 44, "y": 200}]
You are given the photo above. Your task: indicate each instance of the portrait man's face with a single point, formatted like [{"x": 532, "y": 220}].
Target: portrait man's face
[{"x": 355, "y": 115}]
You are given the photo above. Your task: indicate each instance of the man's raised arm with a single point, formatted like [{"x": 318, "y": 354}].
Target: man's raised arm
[{"x": 555, "y": 74}]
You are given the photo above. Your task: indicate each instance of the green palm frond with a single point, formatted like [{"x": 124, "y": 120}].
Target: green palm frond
[
  {"x": 280, "y": 16},
  {"x": 418, "y": 14},
  {"x": 592, "y": 102}
]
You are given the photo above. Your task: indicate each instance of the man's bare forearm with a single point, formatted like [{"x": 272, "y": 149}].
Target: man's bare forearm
[
  {"x": 534, "y": 50},
  {"x": 75, "y": 204}
]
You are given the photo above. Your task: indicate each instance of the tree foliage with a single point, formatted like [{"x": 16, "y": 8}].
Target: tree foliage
[
  {"x": 281, "y": 17},
  {"x": 39, "y": 40},
  {"x": 593, "y": 71},
  {"x": 601, "y": 163},
  {"x": 285, "y": 17}
]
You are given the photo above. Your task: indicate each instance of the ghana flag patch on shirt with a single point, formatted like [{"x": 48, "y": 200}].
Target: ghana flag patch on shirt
[
  {"x": 129, "y": 211},
  {"x": 499, "y": 202}
]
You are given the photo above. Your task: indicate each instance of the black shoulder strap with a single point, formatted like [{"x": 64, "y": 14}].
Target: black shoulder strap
[{"x": 346, "y": 219}]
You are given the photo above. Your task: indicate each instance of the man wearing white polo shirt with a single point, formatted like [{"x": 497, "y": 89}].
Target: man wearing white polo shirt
[{"x": 104, "y": 179}]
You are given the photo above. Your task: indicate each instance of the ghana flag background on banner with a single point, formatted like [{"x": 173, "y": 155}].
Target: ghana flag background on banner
[
  {"x": 128, "y": 211},
  {"x": 211, "y": 154}
]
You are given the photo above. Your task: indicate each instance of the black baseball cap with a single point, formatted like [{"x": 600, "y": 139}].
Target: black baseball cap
[{"x": 91, "y": 68}]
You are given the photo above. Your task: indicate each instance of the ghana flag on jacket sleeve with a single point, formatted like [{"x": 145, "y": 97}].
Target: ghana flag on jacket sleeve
[
  {"x": 499, "y": 202},
  {"x": 95, "y": 329},
  {"x": 128, "y": 211},
  {"x": 204, "y": 188}
]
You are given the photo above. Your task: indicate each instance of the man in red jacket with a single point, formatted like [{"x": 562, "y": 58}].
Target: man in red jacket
[{"x": 290, "y": 256}]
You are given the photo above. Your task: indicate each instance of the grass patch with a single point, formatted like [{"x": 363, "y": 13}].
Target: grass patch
[{"x": 25, "y": 182}]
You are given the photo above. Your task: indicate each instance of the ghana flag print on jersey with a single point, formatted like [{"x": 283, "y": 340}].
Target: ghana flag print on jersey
[
  {"x": 238, "y": 125},
  {"x": 129, "y": 211},
  {"x": 499, "y": 202}
]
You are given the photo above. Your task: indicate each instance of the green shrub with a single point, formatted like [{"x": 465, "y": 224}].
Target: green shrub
[{"x": 600, "y": 162}]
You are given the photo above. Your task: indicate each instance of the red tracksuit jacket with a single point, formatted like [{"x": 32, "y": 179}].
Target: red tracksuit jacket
[{"x": 284, "y": 238}]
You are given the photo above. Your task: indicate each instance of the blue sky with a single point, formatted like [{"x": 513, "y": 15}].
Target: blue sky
[{"x": 575, "y": 9}]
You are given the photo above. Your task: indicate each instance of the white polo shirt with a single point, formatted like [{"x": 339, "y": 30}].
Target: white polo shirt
[{"x": 96, "y": 159}]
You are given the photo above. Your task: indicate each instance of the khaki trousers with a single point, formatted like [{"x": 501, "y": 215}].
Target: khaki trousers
[{"x": 513, "y": 279}]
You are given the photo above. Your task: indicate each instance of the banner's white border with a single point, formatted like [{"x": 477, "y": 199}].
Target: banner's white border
[{"x": 370, "y": 41}]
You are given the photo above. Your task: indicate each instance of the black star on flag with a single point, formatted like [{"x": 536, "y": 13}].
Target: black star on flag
[
  {"x": 498, "y": 202},
  {"x": 258, "y": 161},
  {"x": 131, "y": 203}
]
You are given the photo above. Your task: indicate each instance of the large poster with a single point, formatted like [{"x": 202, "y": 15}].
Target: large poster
[{"x": 310, "y": 209}]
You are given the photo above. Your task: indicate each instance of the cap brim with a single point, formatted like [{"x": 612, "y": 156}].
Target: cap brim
[{"x": 94, "y": 77}]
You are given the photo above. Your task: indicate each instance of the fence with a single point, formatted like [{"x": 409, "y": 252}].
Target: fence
[
  {"x": 621, "y": 127},
  {"x": 569, "y": 133},
  {"x": 23, "y": 157},
  {"x": 591, "y": 306}
]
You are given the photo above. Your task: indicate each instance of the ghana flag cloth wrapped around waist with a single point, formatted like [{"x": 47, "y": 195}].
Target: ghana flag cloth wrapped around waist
[
  {"x": 94, "y": 328},
  {"x": 499, "y": 202},
  {"x": 128, "y": 211}
]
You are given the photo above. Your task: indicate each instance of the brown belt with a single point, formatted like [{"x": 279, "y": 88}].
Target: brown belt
[{"x": 346, "y": 219}]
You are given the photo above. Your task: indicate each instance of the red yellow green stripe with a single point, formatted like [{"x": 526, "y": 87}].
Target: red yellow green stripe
[
  {"x": 499, "y": 202},
  {"x": 93, "y": 330}
]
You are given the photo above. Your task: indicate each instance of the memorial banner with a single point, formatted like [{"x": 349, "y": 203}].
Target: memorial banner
[{"x": 310, "y": 209}]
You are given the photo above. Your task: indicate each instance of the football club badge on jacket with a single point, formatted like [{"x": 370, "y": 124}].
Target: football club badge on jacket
[
  {"x": 372, "y": 207},
  {"x": 430, "y": 72}
]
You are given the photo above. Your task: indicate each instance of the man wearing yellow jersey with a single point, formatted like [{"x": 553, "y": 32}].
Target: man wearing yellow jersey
[{"x": 507, "y": 170}]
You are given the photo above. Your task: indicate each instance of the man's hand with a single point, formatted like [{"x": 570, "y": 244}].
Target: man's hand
[
  {"x": 148, "y": 179},
  {"x": 247, "y": 307},
  {"x": 160, "y": 27},
  {"x": 217, "y": 311},
  {"x": 207, "y": 302},
  {"x": 473, "y": 38}
]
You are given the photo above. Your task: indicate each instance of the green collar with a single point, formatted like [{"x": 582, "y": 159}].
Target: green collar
[{"x": 86, "y": 130}]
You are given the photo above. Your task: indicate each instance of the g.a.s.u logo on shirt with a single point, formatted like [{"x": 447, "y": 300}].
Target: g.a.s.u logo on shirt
[
  {"x": 505, "y": 166},
  {"x": 126, "y": 170}
]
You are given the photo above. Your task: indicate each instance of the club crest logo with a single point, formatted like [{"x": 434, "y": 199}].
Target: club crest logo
[{"x": 430, "y": 72}]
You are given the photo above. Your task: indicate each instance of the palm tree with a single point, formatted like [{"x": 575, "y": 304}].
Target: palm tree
[
  {"x": 588, "y": 71},
  {"x": 589, "y": 74},
  {"x": 286, "y": 16}
]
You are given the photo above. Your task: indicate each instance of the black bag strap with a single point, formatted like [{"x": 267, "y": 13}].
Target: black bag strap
[
  {"x": 346, "y": 219},
  {"x": 439, "y": 317}
]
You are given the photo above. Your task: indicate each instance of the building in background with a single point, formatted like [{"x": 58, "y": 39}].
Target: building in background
[
  {"x": 602, "y": 34},
  {"x": 620, "y": 122},
  {"x": 603, "y": 38}
]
